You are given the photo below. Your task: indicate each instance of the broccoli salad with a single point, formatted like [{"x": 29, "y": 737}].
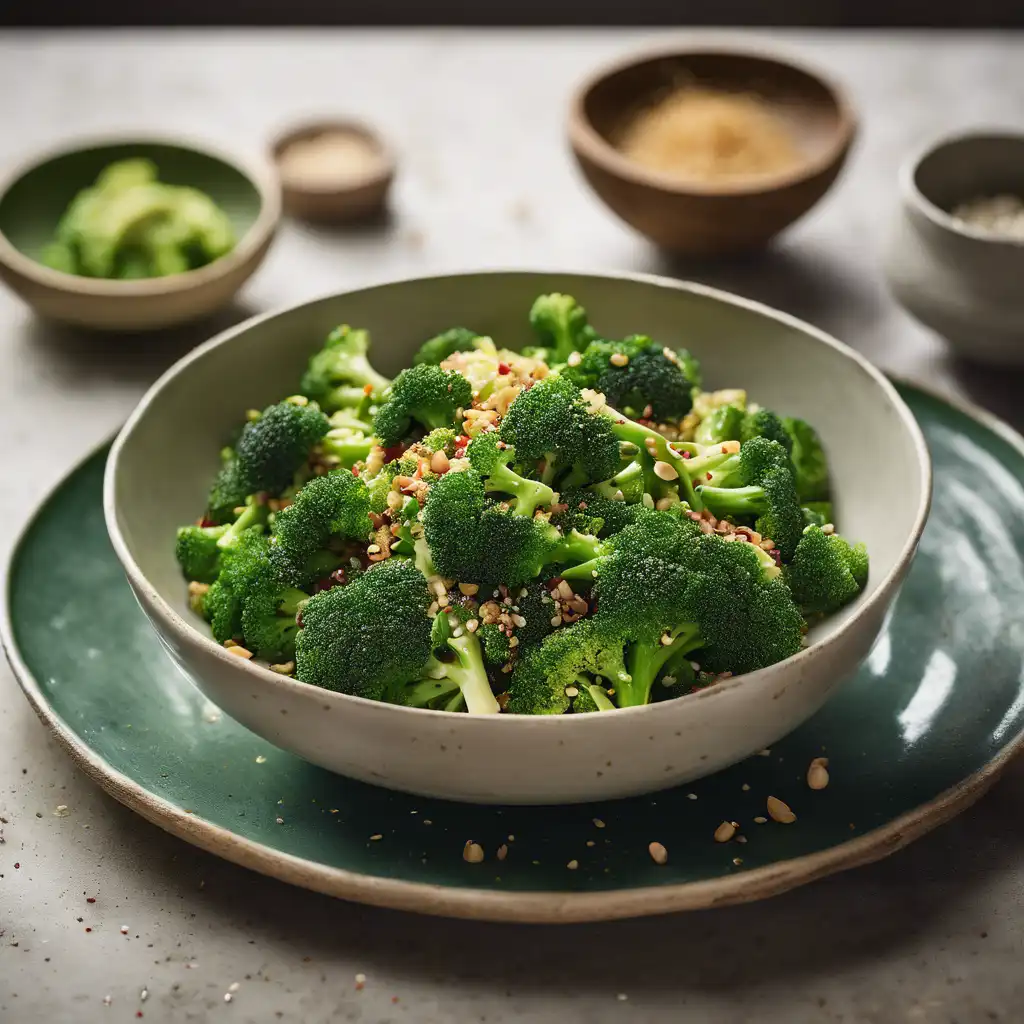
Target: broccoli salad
[{"x": 576, "y": 527}]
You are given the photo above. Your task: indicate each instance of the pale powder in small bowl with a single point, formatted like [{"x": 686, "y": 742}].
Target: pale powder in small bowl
[{"x": 328, "y": 161}]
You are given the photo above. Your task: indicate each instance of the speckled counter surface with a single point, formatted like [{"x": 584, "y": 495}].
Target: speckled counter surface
[{"x": 935, "y": 934}]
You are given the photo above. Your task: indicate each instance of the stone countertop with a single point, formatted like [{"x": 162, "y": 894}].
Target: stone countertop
[{"x": 933, "y": 934}]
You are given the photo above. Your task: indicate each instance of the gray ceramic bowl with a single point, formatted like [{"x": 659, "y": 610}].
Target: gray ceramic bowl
[
  {"x": 34, "y": 196},
  {"x": 161, "y": 465},
  {"x": 962, "y": 282}
]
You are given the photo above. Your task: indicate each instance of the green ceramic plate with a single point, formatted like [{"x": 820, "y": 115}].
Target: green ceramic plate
[{"x": 921, "y": 732}]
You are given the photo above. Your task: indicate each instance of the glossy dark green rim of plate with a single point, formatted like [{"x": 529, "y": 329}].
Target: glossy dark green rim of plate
[{"x": 912, "y": 740}]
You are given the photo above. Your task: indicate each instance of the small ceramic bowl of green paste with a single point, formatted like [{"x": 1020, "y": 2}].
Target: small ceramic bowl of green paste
[{"x": 132, "y": 235}]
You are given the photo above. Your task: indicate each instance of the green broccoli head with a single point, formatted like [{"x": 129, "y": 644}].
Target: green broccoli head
[
  {"x": 826, "y": 572},
  {"x": 339, "y": 375},
  {"x": 551, "y": 422},
  {"x": 591, "y": 512},
  {"x": 229, "y": 491},
  {"x": 436, "y": 350},
  {"x": 561, "y": 324},
  {"x": 270, "y": 609},
  {"x": 764, "y": 423},
  {"x": 334, "y": 505},
  {"x": 548, "y": 678},
  {"x": 273, "y": 447},
  {"x": 197, "y": 552},
  {"x": 767, "y": 494},
  {"x": 369, "y": 637},
  {"x": 637, "y": 376},
  {"x": 810, "y": 465},
  {"x": 241, "y": 565},
  {"x": 425, "y": 395},
  {"x": 492, "y": 458},
  {"x": 451, "y": 520}
]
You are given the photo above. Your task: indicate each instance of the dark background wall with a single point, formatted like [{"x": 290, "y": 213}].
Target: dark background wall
[{"x": 807, "y": 13}]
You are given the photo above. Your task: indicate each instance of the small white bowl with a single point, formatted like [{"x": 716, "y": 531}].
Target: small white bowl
[
  {"x": 34, "y": 196},
  {"x": 163, "y": 460},
  {"x": 962, "y": 282}
]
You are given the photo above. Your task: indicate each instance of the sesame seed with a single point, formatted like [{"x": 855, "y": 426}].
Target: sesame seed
[
  {"x": 666, "y": 640},
  {"x": 590, "y": 842},
  {"x": 228, "y": 997},
  {"x": 760, "y": 819},
  {"x": 598, "y": 823},
  {"x": 745, "y": 787},
  {"x": 511, "y": 839},
  {"x": 360, "y": 979},
  {"x": 375, "y": 837},
  {"x": 658, "y": 853},
  {"x": 280, "y": 821},
  {"x": 234, "y": 986},
  {"x": 502, "y": 852},
  {"x": 691, "y": 796},
  {"x": 725, "y": 832},
  {"x": 737, "y": 861},
  {"x": 780, "y": 811},
  {"x": 472, "y": 853},
  {"x": 260, "y": 759},
  {"x": 741, "y": 839},
  {"x": 573, "y": 865},
  {"x": 571, "y": 691}
]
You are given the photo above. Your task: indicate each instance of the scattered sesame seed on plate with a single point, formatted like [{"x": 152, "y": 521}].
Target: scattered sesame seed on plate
[
  {"x": 691, "y": 796},
  {"x": 234, "y": 986},
  {"x": 280, "y": 821},
  {"x": 761, "y": 819},
  {"x": 658, "y": 853},
  {"x": 573, "y": 865},
  {"x": 375, "y": 837},
  {"x": 598, "y": 823},
  {"x": 260, "y": 759}
]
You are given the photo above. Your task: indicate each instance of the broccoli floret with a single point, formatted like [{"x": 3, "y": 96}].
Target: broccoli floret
[
  {"x": 764, "y": 423},
  {"x": 334, "y": 505},
  {"x": 338, "y": 375},
  {"x": 810, "y": 466},
  {"x": 272, "y": 448},
  {"x": 492, "y": 458},
  {"x": 424, "y": 394},
  {"x": 826, "y": 572},
  {"x": 436, "y": 350},
  {"x": 269, "y": 614},
  {"x": 241, "y": 565},
  {"x": 724, "y": 423},
  {"x": 551, "y": 422},
  {"x": 441, "y": 440},
  {"x": 498, "y": 651},
  {"x": 561, "y": 324},
  {"x": 590, "y": 512},
  {"x": 637, "y": 376},
  {"x": 199, "y": 548},
  {"x": 535, "y": 607},
  {"x": 767, "y": 493},
  {"x": 667, "y": 589},
  {"x": 584, "y": 656},
  {"x": 454, "y": 674},
  {"x": 472, "y": 541},
  {"x": 229, "y": 491},
  {"x": 369, "y": 637}
]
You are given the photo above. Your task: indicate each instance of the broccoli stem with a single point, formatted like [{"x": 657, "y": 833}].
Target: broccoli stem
[
  {"x": 347, "y": 446},
  {"x": 254, "y": 515},
  {"x": 424, "y": 692},
  {"x": 646, "y": 660},
  {"x": 599, "y": 695},
  {"x": 529, "y": 494},
  {"x": 734, "y": 501},
  {"x": 576, "y": 547},
  {"x": 467, "y": 672}
]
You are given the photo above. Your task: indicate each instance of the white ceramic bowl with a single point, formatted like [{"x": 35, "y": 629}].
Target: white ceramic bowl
[{"x": 162, "y": 462}]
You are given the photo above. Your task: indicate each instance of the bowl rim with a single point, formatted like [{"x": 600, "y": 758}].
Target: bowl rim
[
  {"x": 312, "y": 126},
  {"x": 586, "y": 139},
  {"x": 912, "y": 194},
  {"x": 189, "y": 633},
  {"x": 257, "y": 171}
]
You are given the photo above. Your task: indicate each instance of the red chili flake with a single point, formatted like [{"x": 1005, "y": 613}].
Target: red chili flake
[
  {"x": 708, "y": 475},
  {"x": 88, "y": 929},
  {"x": 394, "y": 999},
  {"x": 17, "y": 865},
  {"x": 355, "y": 472},
  {"x": 394, "y": 452},
  {"x": 138, "y": 1013},
  {"x": 367, "y": 389},
  {"x": 206, "y": 521},
  {"x": 502, "y": 368},
  {"x": 90, "y": 899},
  {"x": 686, "y": 455}
]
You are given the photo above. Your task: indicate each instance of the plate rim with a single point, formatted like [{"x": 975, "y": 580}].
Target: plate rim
[{"x": 529, "y": 906}]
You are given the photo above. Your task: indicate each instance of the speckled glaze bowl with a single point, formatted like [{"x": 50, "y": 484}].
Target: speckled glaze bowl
[{"x": 161, "y": 464}]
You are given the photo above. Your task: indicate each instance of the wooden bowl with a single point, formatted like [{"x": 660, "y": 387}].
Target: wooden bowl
[
  {"x": 356, "y": 200},
  {"x": 34, "y": 197},
  {"x": 699, "y": 218}
]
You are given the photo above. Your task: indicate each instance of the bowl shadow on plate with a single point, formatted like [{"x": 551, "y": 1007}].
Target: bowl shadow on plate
[
  {"x": 77, "y": 354},
  {"x": 805, "y": 936}
]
